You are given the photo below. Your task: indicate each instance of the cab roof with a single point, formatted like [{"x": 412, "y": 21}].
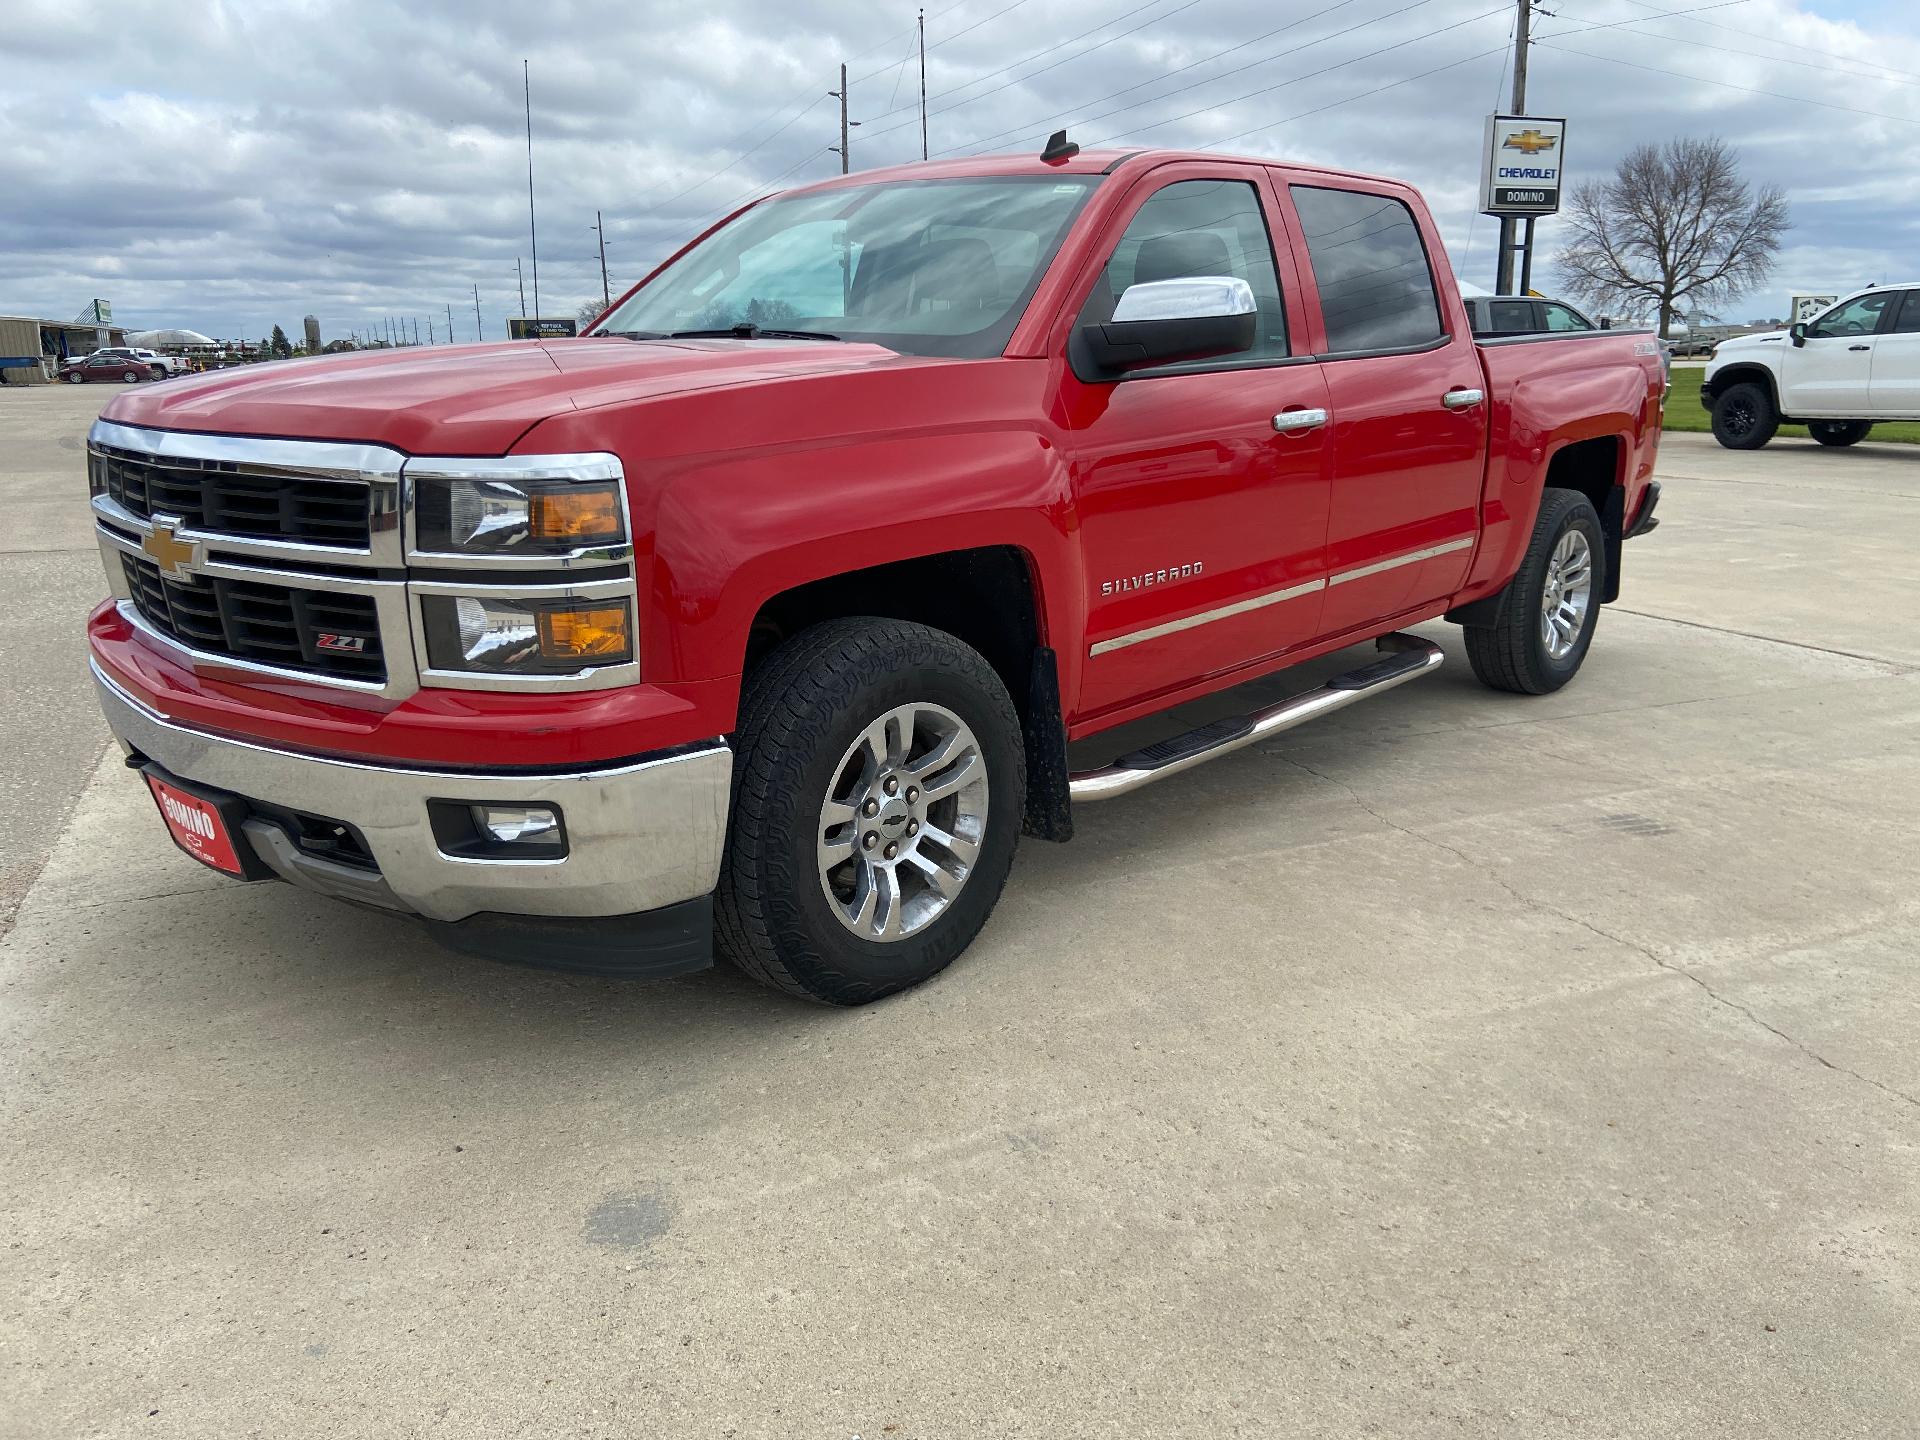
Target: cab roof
[{"x": 1085, "y": 162}]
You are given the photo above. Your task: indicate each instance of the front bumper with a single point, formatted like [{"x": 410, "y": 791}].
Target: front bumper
[{"x": 642, "y": 835}]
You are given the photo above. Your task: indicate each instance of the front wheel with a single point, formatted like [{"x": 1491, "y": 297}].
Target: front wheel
[
  {"x": 879, "y": 785},
  {"x": 1839, "y": 433},
  {"x": 74, "y": 377},
  {"x": 1744, "y": 417},
  {"x": 1553, "y": 603}
]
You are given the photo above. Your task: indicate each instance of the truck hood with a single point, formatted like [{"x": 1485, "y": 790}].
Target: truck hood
[
  {"x": 470, "y": 399},
  {"x": 1751, "y": 342}
]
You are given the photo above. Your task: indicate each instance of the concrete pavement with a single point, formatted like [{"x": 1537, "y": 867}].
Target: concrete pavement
[{"x": 1467, "y": 1065}]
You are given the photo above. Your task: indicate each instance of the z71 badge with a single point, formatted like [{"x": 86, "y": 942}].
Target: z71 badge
[{"x": 1150, "y": 577}]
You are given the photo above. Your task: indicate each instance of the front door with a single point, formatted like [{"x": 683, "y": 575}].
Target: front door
[
  {"x": 1895, "y": 390},
  {"x": 1203, "y": 526},
  {"x": 1409, "y": 419},
  {"x": 1831, "y": 373}
]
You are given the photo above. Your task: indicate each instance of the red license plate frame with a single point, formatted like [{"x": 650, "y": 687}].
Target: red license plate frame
[{"x": 198, "y": 826}]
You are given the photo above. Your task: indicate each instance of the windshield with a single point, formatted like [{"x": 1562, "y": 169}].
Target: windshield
[{"x": 926, "y": 267}]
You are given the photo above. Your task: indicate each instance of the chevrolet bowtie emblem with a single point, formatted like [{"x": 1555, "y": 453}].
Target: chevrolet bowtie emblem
[
  {"x": 175, "y": 557},
  {"x": 1529, "y": 142}
]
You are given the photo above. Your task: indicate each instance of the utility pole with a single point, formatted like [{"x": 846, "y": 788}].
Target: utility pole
[
  {"x": 1522, "y": 39},
  {"x": 600, "y": 229},
  {"x": 923, "y": 83},
  {"x": 533, "y": 234},
  {"x": 449, "y": 322},
  {"x": 478, "y": 334},
  {"x": 430, "y": 339},
  {"x": 521, "y": 280},
  {"x": 841, "y": 148},
  {"x": 416, "y": 329}
]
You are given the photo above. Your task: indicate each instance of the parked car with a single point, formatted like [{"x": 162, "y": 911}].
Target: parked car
[
  {"x": 763, "y": 616},
  {"x": 1855, "y": 363},
  {"x": 1523, "y": 315},
  {"x": 107, "y": 365},
  {"x": 165, "y": 364}
]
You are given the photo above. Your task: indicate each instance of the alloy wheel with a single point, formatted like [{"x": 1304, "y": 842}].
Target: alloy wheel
[{"x": 1567, "y": 594}]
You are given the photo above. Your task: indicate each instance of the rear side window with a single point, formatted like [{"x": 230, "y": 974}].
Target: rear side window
[
  {"x": 1511, "y": 317},
  {"x": 1907, "y": 322},
  {"x": 1376, "y": 288}
]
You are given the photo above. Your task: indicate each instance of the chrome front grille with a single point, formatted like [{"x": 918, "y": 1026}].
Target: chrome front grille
[
  {"x": 318, "y": 631},
  {"x": 218, "y": 497}
]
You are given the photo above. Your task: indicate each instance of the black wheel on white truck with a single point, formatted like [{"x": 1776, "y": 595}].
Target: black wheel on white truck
[
  {"x": 879, "y": 783},
  {"x": 1744, "y": 416}
]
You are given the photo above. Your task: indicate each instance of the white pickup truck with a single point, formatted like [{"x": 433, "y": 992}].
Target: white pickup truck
[{"x": 1855, "y": 362}]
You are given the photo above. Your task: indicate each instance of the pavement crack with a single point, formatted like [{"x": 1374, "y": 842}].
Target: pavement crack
[
  {"x": 1899, "y": 667},
  {"x": 1533, "y": 902}
]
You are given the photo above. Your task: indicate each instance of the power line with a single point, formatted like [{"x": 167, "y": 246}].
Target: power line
[
  {"x": 1723, "y": 49},
  {"x": 1791, "y": 44},
  {"x": 953, "y": 37},
  {"x": 1296, "y": 79},
  {"x": 1040, "y": 125},
  {"x": 1729, "y": 85},
  {"x": 955, "y": 90}
]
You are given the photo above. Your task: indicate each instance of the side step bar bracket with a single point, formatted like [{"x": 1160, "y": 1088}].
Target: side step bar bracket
[{"x": 1407, "y": 657}]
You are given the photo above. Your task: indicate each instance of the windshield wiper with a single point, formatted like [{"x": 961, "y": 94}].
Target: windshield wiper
[
  {"x": 632, "y": 334},
  {"x": 750, "y": 331}
]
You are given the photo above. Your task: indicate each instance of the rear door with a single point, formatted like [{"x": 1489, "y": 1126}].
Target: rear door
[
  {"x": 1202, "y": 525},
  {"x": 1895, "y": 389},
  {"x": 1832, "y": 373},
  {"x": 1404, "y": 388}
]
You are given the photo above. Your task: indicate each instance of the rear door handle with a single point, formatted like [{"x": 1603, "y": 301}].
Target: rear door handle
[
  {"x": 1288, "y": 421},
  {"x": 1462, "y": 398}
]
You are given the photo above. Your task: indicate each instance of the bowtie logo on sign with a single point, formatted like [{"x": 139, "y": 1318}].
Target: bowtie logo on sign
[{"x": 1530, "y": 142}]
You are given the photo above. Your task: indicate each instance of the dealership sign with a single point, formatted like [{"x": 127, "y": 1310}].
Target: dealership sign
[
  {"x": 1520, "y": 165},
  {"x": 526, "y": 327}
]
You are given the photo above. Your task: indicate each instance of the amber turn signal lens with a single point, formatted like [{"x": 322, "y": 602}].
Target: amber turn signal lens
[
  {"x": 579, "y": 515},
  {"x": 598, "y": 634}
]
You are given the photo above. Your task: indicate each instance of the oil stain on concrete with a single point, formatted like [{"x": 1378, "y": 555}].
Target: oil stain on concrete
[{"x": 630, "y": 1219}]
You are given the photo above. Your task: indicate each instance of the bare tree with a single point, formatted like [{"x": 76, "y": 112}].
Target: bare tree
[{"x": 1675, "y": 225}]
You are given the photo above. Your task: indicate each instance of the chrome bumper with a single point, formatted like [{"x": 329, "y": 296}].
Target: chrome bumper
[{"x": 641, "y": 835}]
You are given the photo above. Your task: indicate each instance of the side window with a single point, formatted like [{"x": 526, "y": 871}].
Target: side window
[
  {"x": 1907, "y": 322},
  {"x": 1858, "y": 316},
  {"x": 1199, "y": 227},
  {"x": 1562, "y": 317},
  {"x": 1511, "y": 317},
  {"x": 1376, "y": 288}
]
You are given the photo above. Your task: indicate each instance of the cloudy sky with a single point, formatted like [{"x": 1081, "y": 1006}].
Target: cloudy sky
[{"x": 226, "y": 165}]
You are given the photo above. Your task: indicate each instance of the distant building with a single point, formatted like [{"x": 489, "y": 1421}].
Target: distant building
[
  {"x": 31, "y": 349},
  {"x": 313, "y": 335}
]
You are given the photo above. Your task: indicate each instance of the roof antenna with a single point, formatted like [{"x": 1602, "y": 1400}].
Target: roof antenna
[{"x": 1059, "y": 148}]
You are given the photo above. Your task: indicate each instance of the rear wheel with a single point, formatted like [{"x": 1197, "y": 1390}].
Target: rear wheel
[
  {"x": 1553, "y": 603},
  {"x": 879, "y": 784},
  {"x": 1744, "y": 417},
  {"x": 1839, "y": 432}
]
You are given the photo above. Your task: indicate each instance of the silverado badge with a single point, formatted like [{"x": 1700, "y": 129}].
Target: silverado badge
[{"x": 175, "y": 557}]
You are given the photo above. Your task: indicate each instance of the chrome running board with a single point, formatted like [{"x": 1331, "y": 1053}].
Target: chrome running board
[{"x": 1408, "y": 656}]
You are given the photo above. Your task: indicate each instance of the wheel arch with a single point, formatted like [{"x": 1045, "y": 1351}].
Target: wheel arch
[
  {"x": 991, "y": 597},
  {"x": 1731, "y": 375}
]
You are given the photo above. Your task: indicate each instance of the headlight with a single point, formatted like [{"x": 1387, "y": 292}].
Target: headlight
[
  {"x": 521, "y": 509},
  {"x": 489, "y": 635}
]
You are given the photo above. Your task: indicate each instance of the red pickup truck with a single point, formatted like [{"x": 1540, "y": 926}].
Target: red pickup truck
[{"x": 759, "y": 619}]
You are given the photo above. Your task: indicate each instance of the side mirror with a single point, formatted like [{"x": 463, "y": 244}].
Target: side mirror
[
  {"x": 1606, "y": 322},
  {"x": 1164, "y": 321},
  {"x": 1799, "y": 332}
]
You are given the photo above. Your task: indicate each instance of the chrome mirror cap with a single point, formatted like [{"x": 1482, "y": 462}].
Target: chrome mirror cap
[{"x": 1193, "y": 297}]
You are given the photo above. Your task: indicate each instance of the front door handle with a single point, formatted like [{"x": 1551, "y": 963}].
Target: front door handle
[
  {"x": 1859, "y": 347},
  {"x": 1462, "y": 398},
  {"x": 1289, "y": 421}
]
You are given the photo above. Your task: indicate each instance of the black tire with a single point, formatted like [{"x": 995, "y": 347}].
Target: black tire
[
  {"x": 1839, "y": 433},
  {"x": 1744, "y": 417},
  {"x": 1512, "y": 655},
  {"x": 803, "y": 706}
]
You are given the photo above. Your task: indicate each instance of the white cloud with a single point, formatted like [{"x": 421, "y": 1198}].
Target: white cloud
[{"x": 234, "y": 164}]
